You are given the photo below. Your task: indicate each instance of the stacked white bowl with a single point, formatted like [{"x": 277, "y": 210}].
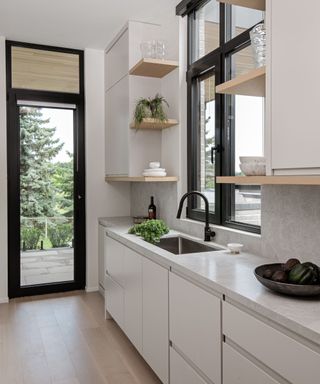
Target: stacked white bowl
[
  {"x": 154, "y": 170},
  {"x": 253, "y": 165}
]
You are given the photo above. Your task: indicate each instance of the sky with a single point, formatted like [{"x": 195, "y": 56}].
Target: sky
[{"x": 62, "y": 120}]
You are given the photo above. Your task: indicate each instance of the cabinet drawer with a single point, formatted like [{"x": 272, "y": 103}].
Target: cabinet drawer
[
  {"x": 237, "y": 369},
  {"x": 286, "y": 356},
  {"x": 181, "y": 372},
  {"x": 114, "y": 259},
  {"x": 114, "y": 297},
  {"x": 195, "y": 325}
]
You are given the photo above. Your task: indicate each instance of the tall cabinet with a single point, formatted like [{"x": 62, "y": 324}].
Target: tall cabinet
[{"x": 127, "y": 79}]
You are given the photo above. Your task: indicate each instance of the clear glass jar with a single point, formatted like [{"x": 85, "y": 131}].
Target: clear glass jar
[{"x": 258, "y": 43}]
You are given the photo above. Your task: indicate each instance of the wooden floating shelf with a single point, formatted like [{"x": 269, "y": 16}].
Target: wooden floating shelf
[
  {"x": 269, "y": 180},
  {"x": 254, "y": 4},
  {"x": 153, "y": 68},
  {"x": 252, "y": 83},
  {"x": 154, "y": 124},
  {"x": 141, "y": 179}
]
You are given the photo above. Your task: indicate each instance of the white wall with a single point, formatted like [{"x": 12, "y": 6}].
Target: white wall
[
  {"x": 3, "y": 178},
  {"x": 102, "y": 199}
]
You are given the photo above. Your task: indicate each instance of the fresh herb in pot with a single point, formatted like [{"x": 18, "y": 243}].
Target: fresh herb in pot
[{"x": 151, "y": 230}]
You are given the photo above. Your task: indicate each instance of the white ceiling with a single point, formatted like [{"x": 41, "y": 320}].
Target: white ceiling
[{"x": 75, "y": 23}]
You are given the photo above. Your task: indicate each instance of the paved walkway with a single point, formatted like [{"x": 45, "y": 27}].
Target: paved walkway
[{"x": 40, "y": 267}]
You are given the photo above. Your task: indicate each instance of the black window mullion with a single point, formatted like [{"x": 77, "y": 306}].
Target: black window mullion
[{"x": 220, "y": 60}]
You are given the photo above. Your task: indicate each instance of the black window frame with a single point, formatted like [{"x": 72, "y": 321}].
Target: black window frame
[{"x": 224, "y": 131}]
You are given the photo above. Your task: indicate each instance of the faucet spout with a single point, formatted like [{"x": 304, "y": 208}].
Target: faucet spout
[{"x": 208, "y": 233}]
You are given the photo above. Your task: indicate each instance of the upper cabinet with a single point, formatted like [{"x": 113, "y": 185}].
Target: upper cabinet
[
  {"x": 117, "y": 60},
  {"x": 294, "y": 88},
  {"x": 128, "y": 78}
]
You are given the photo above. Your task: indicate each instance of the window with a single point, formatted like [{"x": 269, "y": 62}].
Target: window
[{"x": 221, "y": 128}]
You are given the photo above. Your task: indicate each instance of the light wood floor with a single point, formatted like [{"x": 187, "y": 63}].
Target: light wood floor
[{"x": 64, "y": 339}]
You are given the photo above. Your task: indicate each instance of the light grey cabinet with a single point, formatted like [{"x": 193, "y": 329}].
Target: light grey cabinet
[
  {"x": 195, "y": 325},
  {"x": 293, "y": 80},
  {"x": 155, "y": 318},
  {"x": 133, "y": 297}
]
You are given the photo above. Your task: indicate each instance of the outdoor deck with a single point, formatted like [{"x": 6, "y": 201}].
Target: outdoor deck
[{"x": 47, "y": 266}]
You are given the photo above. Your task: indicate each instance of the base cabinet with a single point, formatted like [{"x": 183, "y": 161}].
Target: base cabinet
[
  {"x": 101, "y": 236},
  {"x": 195, "y": 326},
  {"x": 114, "y": 299},
  {"x": 155, "y": 318},
  {"x": 133, "y": 297},
  {"x": 237, "y": 369},
  {"x": 181, "y": 372}
]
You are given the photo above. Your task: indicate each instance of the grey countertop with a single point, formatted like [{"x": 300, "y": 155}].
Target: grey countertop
[{"x": 229, "y": 275}]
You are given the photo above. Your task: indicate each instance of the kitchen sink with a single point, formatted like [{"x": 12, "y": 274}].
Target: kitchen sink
[{"x": 180, "y": 245}]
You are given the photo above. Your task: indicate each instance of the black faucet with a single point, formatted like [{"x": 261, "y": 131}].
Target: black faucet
[{"x": 208, "y": 233}]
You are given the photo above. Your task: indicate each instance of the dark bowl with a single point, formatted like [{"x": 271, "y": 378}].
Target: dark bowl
[{"x": 285, "y": 288}]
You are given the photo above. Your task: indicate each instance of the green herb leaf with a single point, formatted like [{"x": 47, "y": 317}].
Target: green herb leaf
[{"x": 151, "y": 230}]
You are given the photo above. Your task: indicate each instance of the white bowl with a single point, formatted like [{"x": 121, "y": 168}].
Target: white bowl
[
  {"x": 235, "y": 248},
  {"x": 253, "y": 169},
  {"x": 252, "y": 159},
  {"x": 154, "y": 164}
]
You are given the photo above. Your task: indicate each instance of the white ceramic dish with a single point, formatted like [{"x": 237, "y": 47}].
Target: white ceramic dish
[
  {"x": 154, "y": 164},
  {"x": 235, "y": 248},
  {"x": 252, "y": 159},
  {"x": 155, "y": 170},
  {"x": 253, "y": 169},
  {"x": 154, "y": 174}
]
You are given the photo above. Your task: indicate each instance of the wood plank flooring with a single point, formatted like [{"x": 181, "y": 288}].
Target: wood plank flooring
[{"x": 64, "y": 339}]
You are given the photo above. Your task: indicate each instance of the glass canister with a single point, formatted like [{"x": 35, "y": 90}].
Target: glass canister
[{"x": 258, "y": 43}]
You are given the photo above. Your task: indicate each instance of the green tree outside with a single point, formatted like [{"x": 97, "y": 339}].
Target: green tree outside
[{"x": 46, "y": 188}]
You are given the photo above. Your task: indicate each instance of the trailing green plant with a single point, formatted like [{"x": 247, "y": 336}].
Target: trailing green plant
[
  {"x": 151, "y": 230},
  {"x": 151, "y": 108},
  {"x": 60, "y": 235},
  {"x": 30, "y": 237}
]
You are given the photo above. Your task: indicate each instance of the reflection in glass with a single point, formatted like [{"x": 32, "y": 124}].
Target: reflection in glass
[
  {"x": 207, "y": 140},
  {"x": 206, "y": 28}
]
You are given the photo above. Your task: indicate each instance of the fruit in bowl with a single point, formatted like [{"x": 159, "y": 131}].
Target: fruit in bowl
[{"x": 294, "y": 272}]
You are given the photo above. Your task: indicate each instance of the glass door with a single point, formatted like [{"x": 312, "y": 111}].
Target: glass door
[
  {"x": 46, "y": 194},
  {"x": 46, "y": 201}
]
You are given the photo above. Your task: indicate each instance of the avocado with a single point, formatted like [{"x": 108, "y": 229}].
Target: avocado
[
  {"x": 304, "y": 273},
  {"x": 279, "y": 277},
  {"x": 290, "y": 264},
  {"x": 268, "y": 274}
]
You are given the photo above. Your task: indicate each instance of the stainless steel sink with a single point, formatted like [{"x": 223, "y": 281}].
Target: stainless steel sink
[{"x": 179, "y": 245}]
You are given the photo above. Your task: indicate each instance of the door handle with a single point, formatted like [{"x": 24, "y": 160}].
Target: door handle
[{"x": 216, "y": 149}]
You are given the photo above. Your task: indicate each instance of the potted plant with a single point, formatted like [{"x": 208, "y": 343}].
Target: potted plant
[{"x": 150, "y": 108}]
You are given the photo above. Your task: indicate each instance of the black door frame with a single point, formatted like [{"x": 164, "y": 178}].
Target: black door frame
[{"x": 13, "y": 159}]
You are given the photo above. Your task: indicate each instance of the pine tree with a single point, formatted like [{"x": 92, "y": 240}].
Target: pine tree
[
  {"x": 37, "y": 149},
  {"x": 63, "y": 180}
]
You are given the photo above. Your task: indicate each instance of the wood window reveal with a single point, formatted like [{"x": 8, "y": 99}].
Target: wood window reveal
[{"x": 45, "y": 70}]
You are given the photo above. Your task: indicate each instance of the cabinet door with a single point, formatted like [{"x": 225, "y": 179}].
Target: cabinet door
[
  {"x": 195, "y": 325},
  {"x": 295, "y": 79},
  {"x": 114, "y": 259},
  {"x": 117, "y": 60},
  {"x": 181, "y": 372},
  {"x": 155, "y": 349},
  {"x": 117, "y": 127},
  {"x": 133, "y": 297},
  {"x": 101, "y": 236},
  {"x": 114, "y": 300},
  {"x": 237, "y": 369}
]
